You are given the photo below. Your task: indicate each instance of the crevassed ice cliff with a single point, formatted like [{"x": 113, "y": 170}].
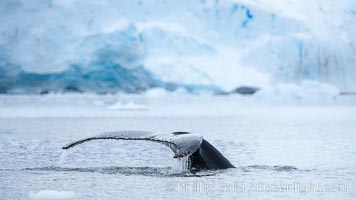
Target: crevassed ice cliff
[{"x": 131, "y": 46}]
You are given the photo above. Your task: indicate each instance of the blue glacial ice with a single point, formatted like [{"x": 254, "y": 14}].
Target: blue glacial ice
[{"x": 132, "y": 46}]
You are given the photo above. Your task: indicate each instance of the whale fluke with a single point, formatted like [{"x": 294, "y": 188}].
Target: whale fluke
[{"x": 202, "y": 155}]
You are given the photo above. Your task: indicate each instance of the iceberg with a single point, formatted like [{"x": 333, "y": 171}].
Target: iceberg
[
  {"x": 52, "y": 195},
  {"x": 127, "y": 106},
  {"x": 307, "y": 91},
  {"x": 133, "y": 46}
]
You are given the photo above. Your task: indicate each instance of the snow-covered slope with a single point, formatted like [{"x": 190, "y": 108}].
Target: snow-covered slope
[{"x": 132, "y": 45}]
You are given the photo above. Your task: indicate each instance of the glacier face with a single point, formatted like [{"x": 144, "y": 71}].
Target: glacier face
[{"x": 126, "y": 45}]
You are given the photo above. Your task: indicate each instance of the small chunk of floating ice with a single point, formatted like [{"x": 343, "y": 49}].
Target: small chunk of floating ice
[
  {"x": 52, "y": 195},
  {"x": 127, "y": 106}
]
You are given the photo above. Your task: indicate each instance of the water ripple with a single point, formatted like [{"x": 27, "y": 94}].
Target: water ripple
[
  {"x": 276, "y": 168},
  {"x": 145, "y": 171}
]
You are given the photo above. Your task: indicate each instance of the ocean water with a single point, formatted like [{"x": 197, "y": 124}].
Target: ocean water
[{"x": 280, "y": 151}]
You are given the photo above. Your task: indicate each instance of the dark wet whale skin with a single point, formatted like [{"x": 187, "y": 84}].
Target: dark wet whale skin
[{"x": 207, "y": 157}]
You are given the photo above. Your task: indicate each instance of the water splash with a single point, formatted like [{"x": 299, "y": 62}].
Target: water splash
[
  {"x": 182, "y": 164},
  {"x": 185, "y": 162},
  {"x": 62, "y": 157}
]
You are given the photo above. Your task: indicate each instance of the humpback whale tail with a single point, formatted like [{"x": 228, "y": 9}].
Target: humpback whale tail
[{"x": 201, "y": 154}]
